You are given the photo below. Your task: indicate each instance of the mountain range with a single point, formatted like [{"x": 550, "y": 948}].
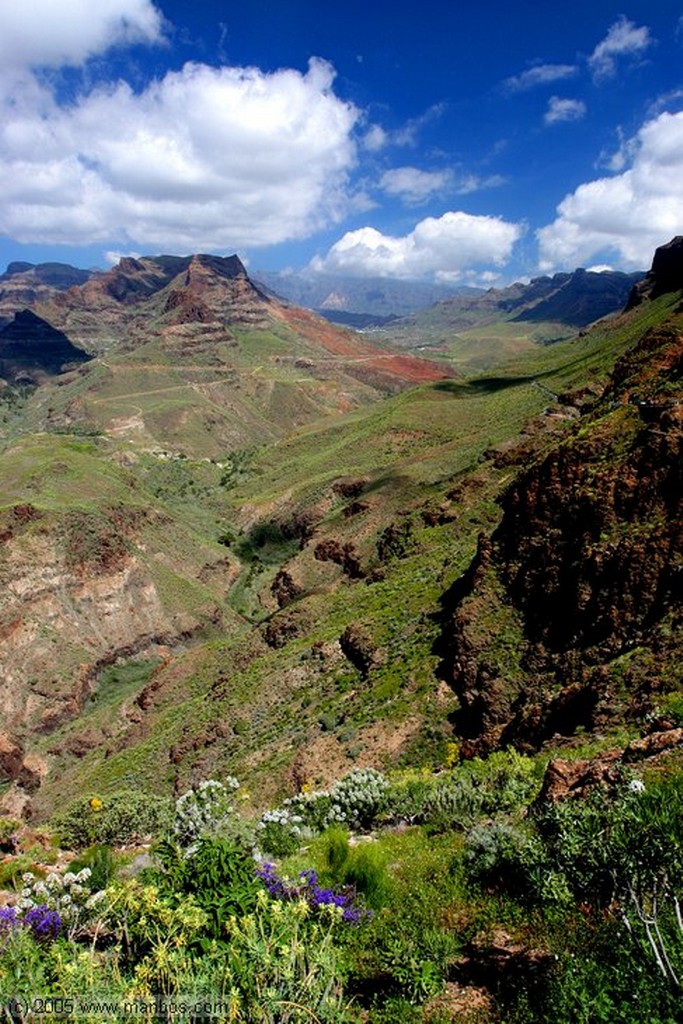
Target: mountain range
[{"x": 235, "y": 537}]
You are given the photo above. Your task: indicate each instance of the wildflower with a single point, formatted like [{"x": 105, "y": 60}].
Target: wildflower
[
  {"x": 8, "y": 919},
  {"x": 96, "y": 804},
  {"x": 43, "y": 922},
  {"x": 310, "y": 895}
]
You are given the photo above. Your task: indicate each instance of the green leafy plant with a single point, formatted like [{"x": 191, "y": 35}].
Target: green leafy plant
[
  {"x": 121, "y": 817},
  {"x": 217, "y": 873},
  {"x": 100, "y": 862},
  {"x": 498, "y": 854},
  {"x": 278, "y": 832},
  {"x": 453, "y": 803},
  {"x": 282, "y": 965},
  {"x": 8, "y": 832}
]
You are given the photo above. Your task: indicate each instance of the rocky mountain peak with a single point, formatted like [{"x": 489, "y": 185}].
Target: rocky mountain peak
[
  {"x": 17, "y": 267},
  {"x": 665, "y": 275},
  {"x": 230, "y": 267}
]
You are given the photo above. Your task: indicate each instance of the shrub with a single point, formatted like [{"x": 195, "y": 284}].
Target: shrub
[
  {"x": 13, "y": 870},
  {"x": 68, "y": 895},
  {"x": 454, "y": 802},
  {"x": 498, "y": 854},
  {"x": 147, "y": 921},
  {"x": 217, "y": 873},
  {"x": 502, "y": 783},
  {"x": 356, "y": 801},
  {"x": 312, "y": 808},
  {"x": 278, "y": 832},
  {"x": 623, "y": 857},
  {"x": 23, "y": 967},
  {"x": 508, "y": 780},
  {"x": 282, "y": 966},
  {"x": 99, "y": 860},
  {"x": 122, "y": 817},
  {"x": 405, "y": 800},
  {"x": 204, "y": 811}
]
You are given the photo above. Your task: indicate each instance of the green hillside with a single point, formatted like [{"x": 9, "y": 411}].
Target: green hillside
[
  {"x": 435, "y": 638},
  {"x": 344, "y": 537}
]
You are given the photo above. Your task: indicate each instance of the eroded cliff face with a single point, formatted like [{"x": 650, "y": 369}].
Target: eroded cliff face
[
  {"x": 79, "y": 592},
  {"x": 569, "y": 616}
]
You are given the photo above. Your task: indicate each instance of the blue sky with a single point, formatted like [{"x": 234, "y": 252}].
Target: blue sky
[{"x": 446, "y": 141}]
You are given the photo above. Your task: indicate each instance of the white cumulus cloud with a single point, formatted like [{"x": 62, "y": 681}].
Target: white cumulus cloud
[
  {"x": 412, "y": 184},
  {"x": 203, "y": 158},
  {"x": 564, "y": 110},
  {"x": 624, "y": 39},
  {"x": 440, "y": 247},
  {"x": 628, "y": 215},
  {"x": 42, "y": 33}
]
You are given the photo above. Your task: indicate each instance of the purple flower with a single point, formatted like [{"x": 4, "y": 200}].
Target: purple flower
[
  {"x": 309, "y": 890},
  {"x": 8, "y": 919},
  {"x": 354, "y": 914},
  {"x": 43, "y": 922},
  {"x": 275, "y": 886},
  {"x": 309, "y": 877}
]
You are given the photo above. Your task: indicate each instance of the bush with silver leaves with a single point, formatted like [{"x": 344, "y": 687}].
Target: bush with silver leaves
[
  {"x": 205, "y": 810},
  {"x": 356, "y": 801}
]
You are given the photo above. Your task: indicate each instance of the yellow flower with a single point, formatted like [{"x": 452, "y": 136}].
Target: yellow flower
[
  {"x": 452, "y": 755},
  {"x": 95, "y": 804},
  {"x": 234, "y": 1012}
]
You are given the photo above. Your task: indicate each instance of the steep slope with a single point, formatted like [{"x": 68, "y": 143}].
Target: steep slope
[
  {"x": 580, "y": 298},
  {"x": 569, "y": 617},
  {"x": 94, "y": 569},
  {"x": 349, "y": 532},
  {"x": 31, "y": 348}
]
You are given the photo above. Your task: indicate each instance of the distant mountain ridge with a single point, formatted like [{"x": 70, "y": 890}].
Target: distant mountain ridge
[
  {"x": 575, "y": 299},
  {"x": 197, "y": 302},
  {"x": 332, "y": 295},
  {"x": 190, "y": 354},
  {"x": 25, "y": 284},
  {"x": 475, "y": 332}
]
